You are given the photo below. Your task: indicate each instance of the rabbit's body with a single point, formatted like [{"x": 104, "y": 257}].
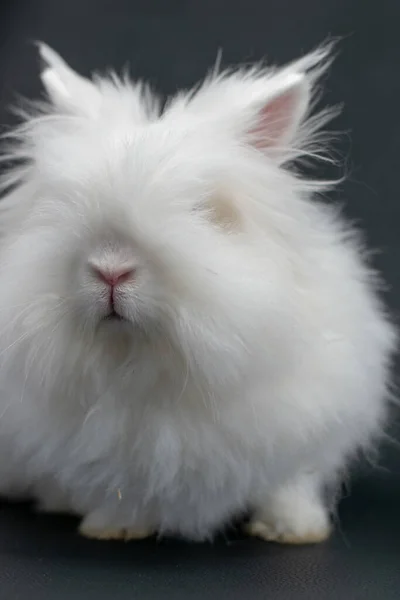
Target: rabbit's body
[{"x": 251, "y": 364}]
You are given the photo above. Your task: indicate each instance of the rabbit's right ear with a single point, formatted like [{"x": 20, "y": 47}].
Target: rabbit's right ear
[{"x": 67, "y": 89}]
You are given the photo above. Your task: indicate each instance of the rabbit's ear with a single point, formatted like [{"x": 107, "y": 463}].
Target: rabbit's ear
[
  {"x": 265, "y": 108},
  {"x": 277, "y": 117},
  {"x": 67, "y": 89},
  {"x": 275, "y": 109}
]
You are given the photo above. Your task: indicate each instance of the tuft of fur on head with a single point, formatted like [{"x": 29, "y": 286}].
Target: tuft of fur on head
[
  {"x": 241, "y": 92},
  {"x": 241, "y": 89}
]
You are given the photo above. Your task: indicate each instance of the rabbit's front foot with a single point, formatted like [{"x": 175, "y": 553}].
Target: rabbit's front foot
[
  {"x": 95, "y": 527},
  {"x": 295, "y": 514}
]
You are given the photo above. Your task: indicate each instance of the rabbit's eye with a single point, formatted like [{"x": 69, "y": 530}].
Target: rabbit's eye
[{"x": 221, "y": 211}]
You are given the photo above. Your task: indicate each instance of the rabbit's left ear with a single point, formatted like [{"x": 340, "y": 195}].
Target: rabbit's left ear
[
  {"x": 277, "y": 117},
  {"x": 275, "y": 107},
  {"x": 67, "y": 89},
  {"x": 266, "y": 109}
]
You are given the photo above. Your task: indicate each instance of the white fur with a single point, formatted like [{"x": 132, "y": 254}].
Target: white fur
[{"x": 253, "y": 362}]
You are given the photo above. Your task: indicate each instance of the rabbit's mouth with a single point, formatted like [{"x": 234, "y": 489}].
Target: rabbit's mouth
[{"x": 114, "y": 316}]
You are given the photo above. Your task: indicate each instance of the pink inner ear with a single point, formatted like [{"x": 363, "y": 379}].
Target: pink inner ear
[{"x": 275, "y": 121}]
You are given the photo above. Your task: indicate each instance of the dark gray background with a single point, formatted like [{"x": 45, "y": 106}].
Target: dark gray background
[{"x": 173, "y": 43}]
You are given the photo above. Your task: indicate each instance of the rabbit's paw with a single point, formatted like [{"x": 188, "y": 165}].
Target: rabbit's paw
[
  {"x": 92, "y": 527},
  {"x": 294, "y": 515},
  {"x": 286, "y": 533}
]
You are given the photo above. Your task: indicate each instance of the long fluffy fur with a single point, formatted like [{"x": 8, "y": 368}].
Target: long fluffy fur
[{"x": 255, "y": 347}]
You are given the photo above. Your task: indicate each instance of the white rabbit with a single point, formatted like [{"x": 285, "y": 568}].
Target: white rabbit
[{"x": 186, "y": 333}]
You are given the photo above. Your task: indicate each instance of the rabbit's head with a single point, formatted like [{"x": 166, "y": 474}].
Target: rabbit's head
[{"x": 133, "y": 221}]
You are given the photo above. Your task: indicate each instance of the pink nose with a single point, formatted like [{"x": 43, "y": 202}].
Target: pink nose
[{"x": 113, "y": 277}]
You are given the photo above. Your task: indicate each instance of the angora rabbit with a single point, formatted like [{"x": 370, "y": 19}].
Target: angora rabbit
[{"x": 186, "y": 333}]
